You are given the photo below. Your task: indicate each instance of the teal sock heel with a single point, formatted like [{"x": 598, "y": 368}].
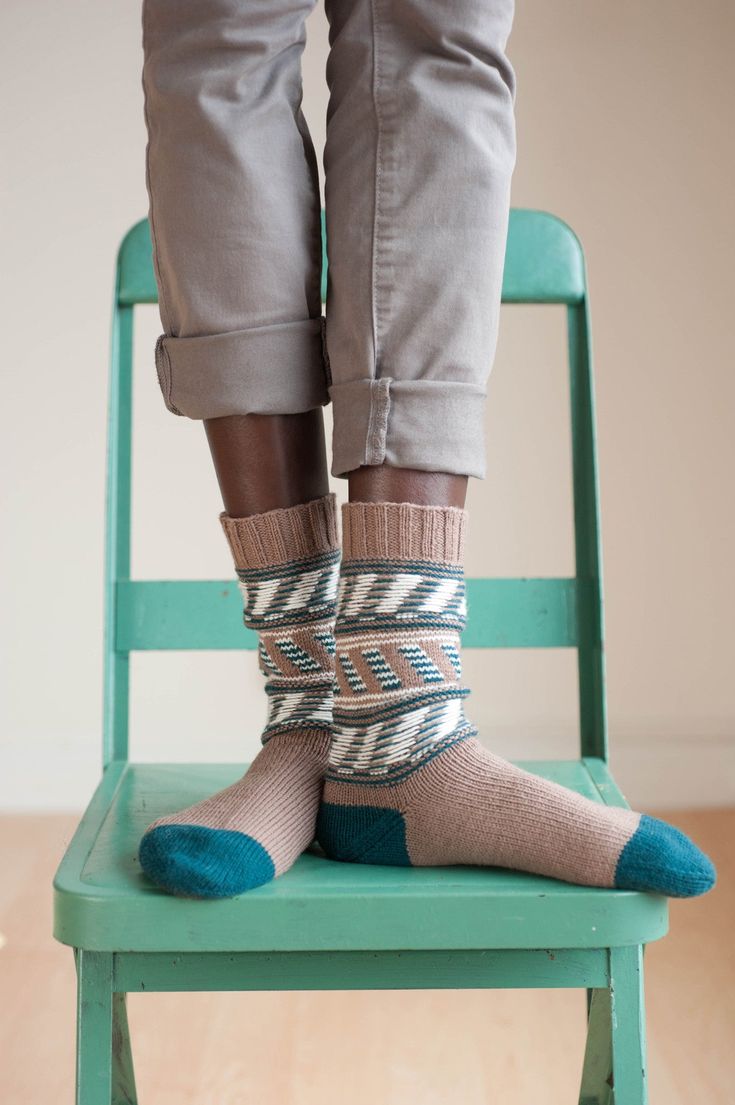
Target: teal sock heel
[{"x": 362, "y": 834}]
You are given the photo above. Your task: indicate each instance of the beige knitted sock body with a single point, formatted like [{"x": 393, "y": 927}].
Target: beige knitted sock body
[
  {"x": 287, "y": 563},
  {"x": 408, "y": 782}
]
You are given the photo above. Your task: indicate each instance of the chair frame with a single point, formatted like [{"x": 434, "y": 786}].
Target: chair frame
[{"x": 545, "y": 264}]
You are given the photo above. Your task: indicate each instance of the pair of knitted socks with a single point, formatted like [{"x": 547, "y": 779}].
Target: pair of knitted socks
[{"x": 367, "y": 745}]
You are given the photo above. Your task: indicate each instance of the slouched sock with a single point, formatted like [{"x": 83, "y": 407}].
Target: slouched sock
[{"x": 287, "y": 564}]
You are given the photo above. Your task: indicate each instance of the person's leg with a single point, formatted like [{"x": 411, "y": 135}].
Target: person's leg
[
  {"x": 234, "y": 209},
  {"x": 416, "y": 252},
  {"x": 235, "y": 221},
  {"x": 408, "y": 781},
  {"x": 382, "y": 484},
  {"x": 418, "y": 161},
  {"x": 268, "y": 462},
  {"x": 287, "y": 563}
]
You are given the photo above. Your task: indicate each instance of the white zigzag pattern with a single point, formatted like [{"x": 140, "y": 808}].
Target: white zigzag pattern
[
  {"x": 355, "y": 595},
  {"x": 308, "y": 707},
  {"x": 351, "y": 674},
  {"x": 422, "y": 663},
  {"x": 398, "y": 591},
  {"x": 382, "y": 744},
  {"x": 358, "y": 591},
  {"x": 442, "y": 596},
  {"x": 451, "y": 650},
  {"x": 259, "y": 595},
  {"x": 421, "y": 721},
  {"x": 301, "y": 592},
  {"x": 298, "y": 656}
]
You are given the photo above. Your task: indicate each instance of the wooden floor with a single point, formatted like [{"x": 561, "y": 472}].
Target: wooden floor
[{"x": 432, "y": 1048}]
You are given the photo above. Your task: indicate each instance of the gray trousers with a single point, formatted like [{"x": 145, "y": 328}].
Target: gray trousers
[{"x": 418, "y": 162}]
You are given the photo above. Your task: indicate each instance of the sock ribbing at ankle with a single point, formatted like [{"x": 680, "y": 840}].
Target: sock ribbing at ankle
[
  {"x": 282, "y": 536},
  {"x": 403, "y": 531}
]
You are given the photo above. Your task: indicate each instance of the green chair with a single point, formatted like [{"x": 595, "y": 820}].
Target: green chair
[{"x": 327, "y": 925}]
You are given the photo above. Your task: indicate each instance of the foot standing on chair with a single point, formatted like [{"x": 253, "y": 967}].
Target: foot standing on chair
[
  {"x": 408, "y": 782},
  {"x": 287, "y": 563}
]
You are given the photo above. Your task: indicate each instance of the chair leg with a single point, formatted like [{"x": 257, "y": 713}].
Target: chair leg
[
  {"x": 123, "y": 1075},
  {"x": 630, "y": 1075},
  {"x": 614, "y": 1070},
  {"x": 94, "y": 1028},
  {"x": 596, "y": 1088}
]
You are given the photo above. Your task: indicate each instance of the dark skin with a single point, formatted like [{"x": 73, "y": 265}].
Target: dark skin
[
  {"x": 267, "y": 461},
  {"x": 381, "y": 484}
]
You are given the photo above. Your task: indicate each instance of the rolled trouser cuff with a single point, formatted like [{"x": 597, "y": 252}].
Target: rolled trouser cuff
[
  {"x": 429, "y": 425},
  {"x": 276, "y": 369}
]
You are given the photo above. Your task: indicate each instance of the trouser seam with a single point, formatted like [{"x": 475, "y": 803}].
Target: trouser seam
[
  {"x": 316, "y": 212},
  {"x": 165, "y": 373},
  {"x": 377, "y": 185},
  {"x": 377, "y": 430},
  {"x": 162, "y": 295},
  {"x": 325, "y": 352}
]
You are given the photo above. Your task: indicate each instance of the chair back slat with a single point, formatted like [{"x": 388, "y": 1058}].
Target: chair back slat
[
  {"x": 172, "y": 615},
  {"x": 544, "y": 263}
]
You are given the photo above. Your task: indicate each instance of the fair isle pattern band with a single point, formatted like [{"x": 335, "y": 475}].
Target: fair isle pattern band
[
  {"x": 419, "y": 658},
  {"x": 302, "y": 710},
  {"x": 298, "y": 592},
  {"x": 407, "y": 594},
  {"x": 291, "y": 606},
  {"x": 384, "y": 745},
  {"x": 398, "y": 694}
]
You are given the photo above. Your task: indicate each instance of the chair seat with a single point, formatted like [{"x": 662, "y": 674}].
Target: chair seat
[{"x": 103, "y": 902}]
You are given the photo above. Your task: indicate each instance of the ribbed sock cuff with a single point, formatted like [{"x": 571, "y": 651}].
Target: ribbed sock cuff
[
  {"x": 403, "y": 531},
  {"x": 279, "y": 536}
]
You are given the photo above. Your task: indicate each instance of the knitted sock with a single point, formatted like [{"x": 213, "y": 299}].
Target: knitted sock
[
  {"x": 407, "y": 781},
  {"x": 287, "y": 564}
]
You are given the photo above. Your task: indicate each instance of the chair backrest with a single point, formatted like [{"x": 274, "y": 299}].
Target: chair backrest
[{"x": 544, "y": 263}]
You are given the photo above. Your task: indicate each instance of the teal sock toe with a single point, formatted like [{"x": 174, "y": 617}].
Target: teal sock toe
[
  {"x": 660, "y": 858},
  {"x": 198, "y": 862}
]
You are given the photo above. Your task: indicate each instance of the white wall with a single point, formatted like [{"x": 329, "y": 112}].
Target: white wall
[{"x": 623, "y": 130}]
